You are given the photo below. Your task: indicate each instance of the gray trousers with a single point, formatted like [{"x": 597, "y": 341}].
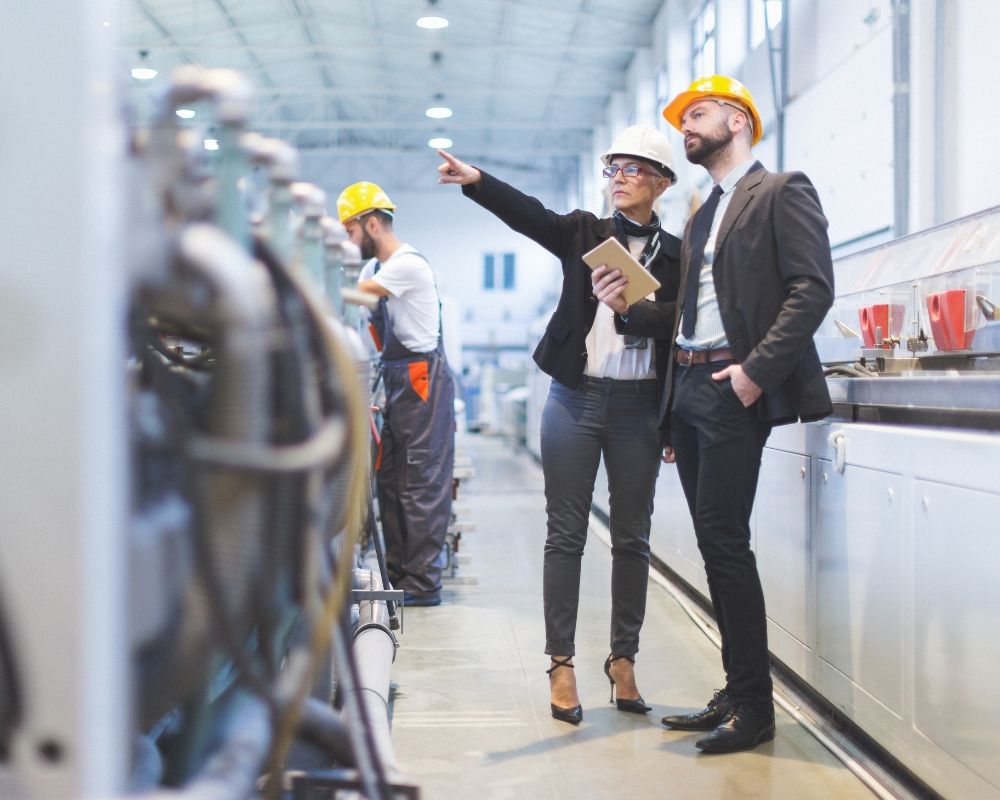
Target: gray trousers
[
  {"x": 415, "y": 474},
  {"x": 616, "y": 419}
]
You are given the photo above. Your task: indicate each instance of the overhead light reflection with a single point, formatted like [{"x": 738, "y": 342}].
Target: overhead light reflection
[
  {"x": 440, "y": 142},
  {"x": 438, "y": 112},
  {"x": 432, "y": 23}
]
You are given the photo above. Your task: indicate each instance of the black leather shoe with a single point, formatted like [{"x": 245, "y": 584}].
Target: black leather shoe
[
  {"x": 432, "y": 599},
  {"x": 705, "y": 720},
  {"x": 743, "y": 729}
]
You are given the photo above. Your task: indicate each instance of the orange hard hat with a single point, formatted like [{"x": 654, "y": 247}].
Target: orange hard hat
[{"x": 722, "y": 88}]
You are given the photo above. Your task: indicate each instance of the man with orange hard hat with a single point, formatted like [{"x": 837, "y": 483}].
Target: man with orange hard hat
[
  {"x": 418, "y": 432},
  {"x": 756, "y": 282}
]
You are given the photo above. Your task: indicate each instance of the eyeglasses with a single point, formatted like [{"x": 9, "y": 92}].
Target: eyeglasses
[{"x": 629, "y": 171}]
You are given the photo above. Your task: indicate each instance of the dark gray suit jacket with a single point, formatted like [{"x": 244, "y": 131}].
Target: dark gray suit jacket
[{"x": 773, "y": 277}]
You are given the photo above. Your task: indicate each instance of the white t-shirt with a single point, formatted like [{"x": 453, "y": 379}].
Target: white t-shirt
[
  {"x": 606, "y": 353},
  {"x": 413, "y": 307}
]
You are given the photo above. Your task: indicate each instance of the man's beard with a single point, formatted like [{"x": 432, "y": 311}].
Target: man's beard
[
  {"x": 367, "y": 245},
  {"x": 706, "y": 147}
]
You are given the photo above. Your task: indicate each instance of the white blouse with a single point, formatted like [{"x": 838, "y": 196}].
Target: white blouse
[{"x": 606, "y": 353}]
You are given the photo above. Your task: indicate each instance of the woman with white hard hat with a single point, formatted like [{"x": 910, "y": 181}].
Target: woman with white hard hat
[{"x": 603, "y": 399}]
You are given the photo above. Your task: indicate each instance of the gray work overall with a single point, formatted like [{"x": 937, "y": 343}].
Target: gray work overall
[{"x": 417, "y": 458}]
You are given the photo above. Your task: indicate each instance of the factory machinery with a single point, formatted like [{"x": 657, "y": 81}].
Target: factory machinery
[
  {"x": 219, "y": 625},
  {"x": 876, "y": 531}
]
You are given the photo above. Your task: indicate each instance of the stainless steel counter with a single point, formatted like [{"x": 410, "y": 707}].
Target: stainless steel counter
[{"x": 960, "y": 392}]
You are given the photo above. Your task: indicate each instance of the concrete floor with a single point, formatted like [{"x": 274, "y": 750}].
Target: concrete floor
[{"x": 471, "y": 709}]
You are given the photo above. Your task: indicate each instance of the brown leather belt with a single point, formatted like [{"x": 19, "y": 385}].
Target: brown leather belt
[{"x": 688, "y": 357}]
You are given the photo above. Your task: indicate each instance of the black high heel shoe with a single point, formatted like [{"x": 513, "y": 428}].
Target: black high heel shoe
[
  {"x": 574, "y": 715},
  {"x": 632, "y": 706}
]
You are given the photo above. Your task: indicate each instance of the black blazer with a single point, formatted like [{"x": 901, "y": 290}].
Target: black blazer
[
  {"x": 773, "y": 277},
  {"x": 562, "y": 351}
]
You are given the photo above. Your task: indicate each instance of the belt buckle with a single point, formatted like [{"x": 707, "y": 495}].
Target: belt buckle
[{"x": 687, "y": 357}]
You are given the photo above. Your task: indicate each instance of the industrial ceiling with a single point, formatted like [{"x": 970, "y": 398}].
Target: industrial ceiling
[{"x": 348, "y": 82}]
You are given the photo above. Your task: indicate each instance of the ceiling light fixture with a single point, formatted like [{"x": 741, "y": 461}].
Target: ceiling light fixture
[
  {"x": 440, "y": 143},
  {"x": 211, "y": 144},
  {"x": 185, "y": 113},
  {"x": 438, "y": 112},
  {"x": 143, "y": 72},
  {"x": 432, "y": 23}
]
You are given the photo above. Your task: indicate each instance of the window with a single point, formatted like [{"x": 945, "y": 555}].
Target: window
[
  {"x": 764, "y": 13},
  {"x": 507, "y": 277},
  {"x": 703, "y": 41},
  {"x": 508, "y": 271},
  {"x": 488, "y": 271},
  {"x": 662, "y": 87}
]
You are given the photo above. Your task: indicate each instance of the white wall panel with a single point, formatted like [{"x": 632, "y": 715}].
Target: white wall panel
[
  {"x": 826, "y": 35},
  {"x": 840, "y": 134},
  {"x": 733, "y": 35},
  {"x": 972, "y": 106},
  {"x": 642, "y": 88}
]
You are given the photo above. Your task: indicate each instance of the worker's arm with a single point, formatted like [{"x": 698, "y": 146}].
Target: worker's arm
[{"x": 373, "y": 287}]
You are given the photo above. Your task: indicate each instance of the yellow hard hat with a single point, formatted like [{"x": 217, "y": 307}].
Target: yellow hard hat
[
  {"x": 721, "y": 87},
  {"x": 360, "y": 197}
]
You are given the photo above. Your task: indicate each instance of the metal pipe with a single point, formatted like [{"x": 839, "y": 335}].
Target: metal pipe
[
  {"x": 282, "y": 163},
  {"x": 311, "y": 202},
  {"x": 334, "y": 237},
  {"x": 220, "y": 289},
  {"x": 231, "y": 772},
  {"x": 785, "y": 40},
  {"x": 779, "y": 83},
  {"x": 238, "y": 407},
  {"x": 147, "y": 765},
  {"x": 901, "y": 116},
  {"x": 374, "y": 651},
  {"x": 370, "y": 771},
  {"x": 940, "y": 115},
  {"x": 321, "y": 725}
]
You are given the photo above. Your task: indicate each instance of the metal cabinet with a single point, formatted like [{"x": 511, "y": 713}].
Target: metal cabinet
[
  {"x": 956, "y": 608},
  {"x": 881, "y": 573},
  {"x": 859, "y": 556},
  {"x": 782, "y": 528}
]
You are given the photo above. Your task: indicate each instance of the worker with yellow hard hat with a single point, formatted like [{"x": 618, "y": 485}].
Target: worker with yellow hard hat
[
  {"x": 723, "y": 90},
  {"x": 418, "y": 434},
  {"x": 756, "y": 283}
]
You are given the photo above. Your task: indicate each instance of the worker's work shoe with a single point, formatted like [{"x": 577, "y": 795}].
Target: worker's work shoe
[{"x": 432, "y": 599}]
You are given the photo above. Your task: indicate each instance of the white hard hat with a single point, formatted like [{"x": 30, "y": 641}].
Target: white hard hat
[{"x": 647, "y": 143}]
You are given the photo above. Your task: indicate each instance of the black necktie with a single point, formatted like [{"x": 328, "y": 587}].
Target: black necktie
[{"x": 700, "y": 229}]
